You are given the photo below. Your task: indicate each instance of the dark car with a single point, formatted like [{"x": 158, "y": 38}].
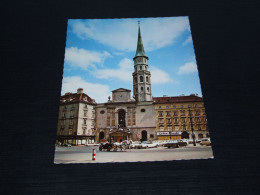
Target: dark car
[
  {"x": 182, "y": 143},
  {"x": 171, "y": 144}
]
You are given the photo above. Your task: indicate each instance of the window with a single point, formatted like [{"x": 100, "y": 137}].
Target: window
[
  {"x": 147, "y": 88},
  {"x": 168, "y": 113},
  {"x": 102, "y": 112},
  {"x": 135, "y": 69},
  {"x": 167, "y": 106},
  {"x": 70, "y": 131},
  {"x": 142, "y": 110},
  {"x": 85, "y": 122},
  {"x": 142, "y": 88},
  {"x": 175, "y": 113},
  {"x": 169, "y": 120},
  {"x": 176, "y": 128},
  {"x": 159, "y": 107},
  {"x": 182, "y": 112},
  {"x": 160, "y": 120},
  {"x": 71, "y": 122},
  {"x": 151, "y": 135},
  {"x": 135, "y": 79},
  {"x": 183, "y": 120},
  {"x": 160, "y": 114},
  {"x": 181, "y": 106},
  {"x": 196, "y": 105},
  {"x": 169, "y": 128},
  {"x": 85, "y": 113},
  {"x": 147, "y": 80},
  {"x": 161, "y": 128},
  {"x": 63, "y": 115},
  {"x": 140, "y": 67},
  {"x": 141, "y": 79},
  {"x": 175, "y": 120},
  {"x": 174, "y": 106},
  {"x": 189, "y": 105},
  {"x": 190, "y": 112},
  {"x": 61, "y": 131}
]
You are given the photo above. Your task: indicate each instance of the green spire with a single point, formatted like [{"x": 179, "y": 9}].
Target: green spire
[{"x": 140, "y": 46}]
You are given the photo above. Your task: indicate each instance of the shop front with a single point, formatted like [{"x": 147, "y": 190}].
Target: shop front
[{"x": 169, "y": 135}]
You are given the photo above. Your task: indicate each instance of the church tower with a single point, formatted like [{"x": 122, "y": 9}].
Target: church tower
[{"x": 141, "y": 75}]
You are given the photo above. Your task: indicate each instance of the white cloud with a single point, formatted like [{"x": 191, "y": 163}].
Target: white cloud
[
  {"x": 159, "y": 76},
  {"x": 83, "y": 58},
  {"x": 122, "y": 34},
  {"x": 123, "y": 73},
  {"x": 188, "y": 68},
  {"x": 188, "y": 40},
  {"x": 96, "y": 91}
]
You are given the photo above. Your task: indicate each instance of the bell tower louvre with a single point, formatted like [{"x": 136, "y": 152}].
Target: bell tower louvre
[{"x": 141, "y": 76}]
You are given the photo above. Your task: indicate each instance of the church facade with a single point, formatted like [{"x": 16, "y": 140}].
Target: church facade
[{"x": 125, "y": 118}]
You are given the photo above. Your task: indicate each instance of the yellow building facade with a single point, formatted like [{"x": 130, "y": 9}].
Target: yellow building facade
[{"x": 178, "y": 117}]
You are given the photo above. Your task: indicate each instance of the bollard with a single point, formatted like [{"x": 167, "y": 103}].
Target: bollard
[{"x": 94, "y": 154}]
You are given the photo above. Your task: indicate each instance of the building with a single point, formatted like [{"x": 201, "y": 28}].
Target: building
[
  {"x": 76, "y": 118},
  {"x": 176, "y": 116},
  {"x": 125, "y": 118}
]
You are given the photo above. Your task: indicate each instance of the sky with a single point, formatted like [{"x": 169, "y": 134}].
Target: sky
[{"x": 99, "y": 56}]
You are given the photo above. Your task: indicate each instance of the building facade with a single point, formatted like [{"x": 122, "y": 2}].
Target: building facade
[
  {"x": 180, "y": 117},
  {"x": 76, "y": 120}
]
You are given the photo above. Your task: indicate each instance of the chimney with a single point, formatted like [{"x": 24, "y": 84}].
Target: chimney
[{"x": 80, "y": 91}]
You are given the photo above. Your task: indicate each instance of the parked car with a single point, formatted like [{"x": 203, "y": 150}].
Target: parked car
[
  {"x": 136, "y": 145},
  {"x": 149, "y": 144},
  {"x": 182, "y": 143},
  {"x": 159, "y": 142},
  {"x": 205, "y": 142},
  {"x": 171, "y": 144},
  {"x": 66, "y": 145},
  {"x": 185, "y": 140}
]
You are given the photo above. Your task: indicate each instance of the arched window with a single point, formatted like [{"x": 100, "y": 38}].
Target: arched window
[
  {"x": 121, "y": 118},
  {"x": 147, "y": 79},
  {"x": 142, "y": 88},
  {"x": 141, "y": 79},
  {"x": 147, "y": 88}
]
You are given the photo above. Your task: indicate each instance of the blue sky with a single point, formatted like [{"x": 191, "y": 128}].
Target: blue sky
[{"x": 99, "y": 56}]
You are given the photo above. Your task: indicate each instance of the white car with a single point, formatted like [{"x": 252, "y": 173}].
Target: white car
[
  {"x": 149, "y": 144},
  {"x": 136, "y": 145}
]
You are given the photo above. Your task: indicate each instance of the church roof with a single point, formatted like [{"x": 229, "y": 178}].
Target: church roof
[
  {"x": 121, "y": 89},
  {"x": 140, "y": 47}
]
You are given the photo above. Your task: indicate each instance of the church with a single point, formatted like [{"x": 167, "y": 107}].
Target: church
[{"x": 123, "y": 118}]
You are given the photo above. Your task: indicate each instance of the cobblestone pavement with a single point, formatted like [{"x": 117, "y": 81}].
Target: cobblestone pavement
[{"x": 83, "y": 154}]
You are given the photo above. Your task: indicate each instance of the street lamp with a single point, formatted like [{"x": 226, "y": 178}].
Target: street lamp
[{"x": 192, "y": 130}]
